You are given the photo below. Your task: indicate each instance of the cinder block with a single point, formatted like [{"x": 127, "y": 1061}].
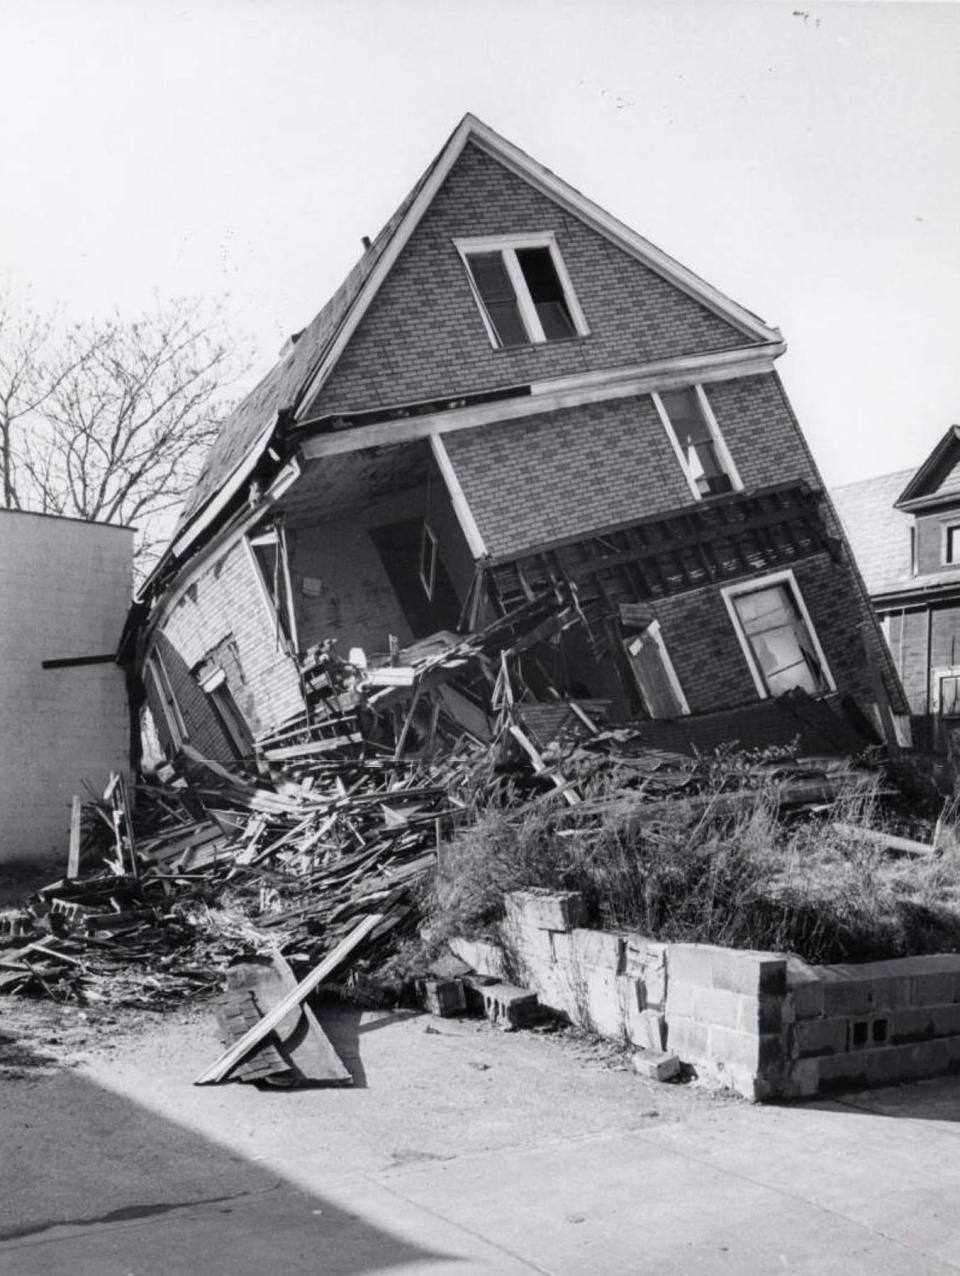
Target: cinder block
[
  {"x": 849, "y": 994},
  {"x": 802, "y": 1079},
  {"x": 509, "y": 1007},
  {"x": 480, "y": 955},
  {"x": 818, "y": 1036},
  {"x": 547, "y": 910},
  {"x": 935, "y": 988},
  {"x": 909, "y": 1026},
  {"x": 444, "y": 997},
  {"x": 804, "y": 989},
  {"x": 687, "y": 1037},
  {"x": 747, "y": 1050},
  {"x": 728, "y": 969},
  {"x": 946, "y": 1020},
  {"x": 656, "y": 1065},
  {"x": 599, "y": 948},
  {"x": 647, "y": 1029},
  {"x": 717, "y": 1006},
  {"x": 646, "y": 959}
]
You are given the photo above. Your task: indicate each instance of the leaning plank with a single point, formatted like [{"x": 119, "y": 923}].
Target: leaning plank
[
  {"x": 73, "y": 855},
  {"x": 230, "y": 1058},
  {"x": 570, "y": 795},
  {"x": 906, "y": 845}
]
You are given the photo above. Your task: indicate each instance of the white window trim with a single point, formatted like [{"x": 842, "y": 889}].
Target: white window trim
[
  {"x": 176, "y": 725},
  {"x": 507, "y": 246},
  {"x": 936, "y": 675},
  {"x": 946, "y": 528},
  {"x": 719, "y": 442},
  {"x": 271, "y": 538},
  {"x": 731, "y": 592},
  {"x": 653, "y": 631}
]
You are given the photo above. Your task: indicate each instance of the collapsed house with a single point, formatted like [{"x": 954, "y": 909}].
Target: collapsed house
[
  {"x": 905, "y": 532},
  {"x": 65, "y": 589},
  {"x": 513, "y": 401}
]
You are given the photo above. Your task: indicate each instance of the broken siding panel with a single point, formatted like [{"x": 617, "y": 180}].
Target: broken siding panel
[
  {"x": 423, "y": 336},
  {"x": 228, "y": 601}
]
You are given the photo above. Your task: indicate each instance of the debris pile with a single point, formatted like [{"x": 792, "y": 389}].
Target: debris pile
[{"x": 314, "y": 850}]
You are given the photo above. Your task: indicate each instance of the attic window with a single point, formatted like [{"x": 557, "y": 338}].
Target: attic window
[
  {"x": 522, "y": 290},
  {"x": 693, "y": 430}
]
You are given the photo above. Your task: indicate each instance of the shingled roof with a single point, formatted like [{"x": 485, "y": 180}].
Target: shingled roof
[
  {"x": 878, "y": 533},
  {"x": 253, "y": 420}
]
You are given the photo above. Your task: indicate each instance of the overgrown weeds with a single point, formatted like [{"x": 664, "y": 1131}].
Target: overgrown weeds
[{"x": 722, "y": 866}]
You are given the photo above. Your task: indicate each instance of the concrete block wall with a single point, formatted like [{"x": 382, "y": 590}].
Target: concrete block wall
[
  {"x": 763, "y": 1024},
  {"x": 65, "y": 588}
]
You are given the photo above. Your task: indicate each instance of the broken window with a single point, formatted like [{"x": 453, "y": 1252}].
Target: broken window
[
  {"x": 778, "y": 639},
  {"x": 176, "y": 726},
  {"x": 523, "y": 291},
  {"x": 269, "y": 553},
  {"x": 695, "y": 435},
  {"x": 411, "y": 559},
  {"x": 654, "y": 673}
]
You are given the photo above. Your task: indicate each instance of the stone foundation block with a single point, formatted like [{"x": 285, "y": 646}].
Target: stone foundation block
[
  {"x": 547, "y": 910},
  {"x": 647, "y": 1029},
  {"x": 509, "y": 1007},
  {"x": 656, "y": 1065},
  {"x": 688, "y": 1038}
]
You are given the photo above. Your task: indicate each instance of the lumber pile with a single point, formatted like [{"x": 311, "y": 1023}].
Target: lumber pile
[{"x": 329, "y": 830}]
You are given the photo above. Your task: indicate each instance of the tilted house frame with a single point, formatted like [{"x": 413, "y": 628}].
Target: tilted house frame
[{"x": 511, "y": 392}]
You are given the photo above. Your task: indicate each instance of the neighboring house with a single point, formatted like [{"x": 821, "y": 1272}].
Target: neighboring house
[
  {"x": 905, "y": 532},
  {"x": 512, "y": 393},
  {"x": 65, "y": 588}
]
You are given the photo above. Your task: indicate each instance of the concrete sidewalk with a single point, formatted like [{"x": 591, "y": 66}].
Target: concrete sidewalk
[{"x": 463, "y": 1150}]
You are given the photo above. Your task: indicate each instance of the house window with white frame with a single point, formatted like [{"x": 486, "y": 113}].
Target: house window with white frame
[
  {"x": 693, "y": 430},
  {"x": 522, "y": 289},
  {"x": 951, "y": 545},
  {"x": 777, "y": 636}
]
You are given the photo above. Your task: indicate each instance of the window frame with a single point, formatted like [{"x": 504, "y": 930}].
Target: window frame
[
  {"x": 286, "y": 632},
  {"x": 752, "y": 586},
  {"x": 937, "y": 676},
  {"x": 654, "y": 633},
  {"x": 506, "y": 246},
  {"x": 727, "y": 463},
  {"x": 176, "y": 723},
  {"x": 945, "y": 559},
  {"x": 428, "y": 534}
]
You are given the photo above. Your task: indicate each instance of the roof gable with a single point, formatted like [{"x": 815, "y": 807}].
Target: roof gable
[
  {"x": 294, "y": 382},
  {"x": 938, "y": 478}
]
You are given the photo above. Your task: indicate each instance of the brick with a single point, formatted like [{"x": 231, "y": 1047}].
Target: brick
[
  {"x": 509, "y": 1007},
  {"x": 547, "y": 910},
  {"x": 656, "y": 1065}
]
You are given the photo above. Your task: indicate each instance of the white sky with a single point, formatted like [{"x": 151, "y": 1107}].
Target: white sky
[{"x": 803, "y": 158}]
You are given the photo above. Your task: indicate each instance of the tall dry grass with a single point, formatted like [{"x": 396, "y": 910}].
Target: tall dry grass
[{"x": 724, "y": 867}]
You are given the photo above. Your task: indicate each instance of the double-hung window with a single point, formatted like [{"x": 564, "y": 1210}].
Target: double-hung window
[
  {"x": 693, "y": 430},
  {"x": 522, "y": 290},
  {"x": 777, "y": 636}
]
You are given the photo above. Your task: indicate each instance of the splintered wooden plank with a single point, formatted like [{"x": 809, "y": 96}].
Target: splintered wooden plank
[
  {"x": 221, "y": 1068},
  {"x": 73, "y": 854}
]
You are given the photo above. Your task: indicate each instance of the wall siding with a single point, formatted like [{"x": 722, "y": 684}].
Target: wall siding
[
  {"x": 227, "y": 601},
  {"x": 423, "y": 336}
]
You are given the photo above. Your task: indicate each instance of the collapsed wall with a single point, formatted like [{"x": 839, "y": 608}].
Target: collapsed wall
[{"x": 763, "y": 1024}]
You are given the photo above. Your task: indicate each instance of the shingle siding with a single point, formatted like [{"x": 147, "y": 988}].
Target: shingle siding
[{"x": 423, "y": 336}]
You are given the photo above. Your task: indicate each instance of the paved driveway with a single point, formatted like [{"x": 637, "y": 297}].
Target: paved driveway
[{"x": 462, "y": 1150}]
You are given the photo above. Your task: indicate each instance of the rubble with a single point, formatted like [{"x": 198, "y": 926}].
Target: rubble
[{"x": 306, "y": 862}]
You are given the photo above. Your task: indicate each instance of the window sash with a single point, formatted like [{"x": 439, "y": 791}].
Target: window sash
[
  {"x": 544, "y": 305},
  {"x": 697, "y": 441}
]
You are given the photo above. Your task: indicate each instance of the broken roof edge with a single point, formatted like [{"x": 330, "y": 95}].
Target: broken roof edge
[
  {"x": 517, "y": 161},
  {"x": 912, "y": 495}
]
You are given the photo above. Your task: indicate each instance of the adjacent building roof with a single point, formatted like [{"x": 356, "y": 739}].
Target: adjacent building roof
[{"x": 878, "y": 533}]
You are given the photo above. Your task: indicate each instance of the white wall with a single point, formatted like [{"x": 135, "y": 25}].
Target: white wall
[{"x": 65, "y": 588}]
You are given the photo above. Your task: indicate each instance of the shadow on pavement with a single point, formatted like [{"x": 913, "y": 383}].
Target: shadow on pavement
[
  {"x": 934, "y": 1099},
  {"x": 94, "y": 1185}
]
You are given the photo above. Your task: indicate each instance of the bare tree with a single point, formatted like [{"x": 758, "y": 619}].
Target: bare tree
[{"x": 110, "y": 420}]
